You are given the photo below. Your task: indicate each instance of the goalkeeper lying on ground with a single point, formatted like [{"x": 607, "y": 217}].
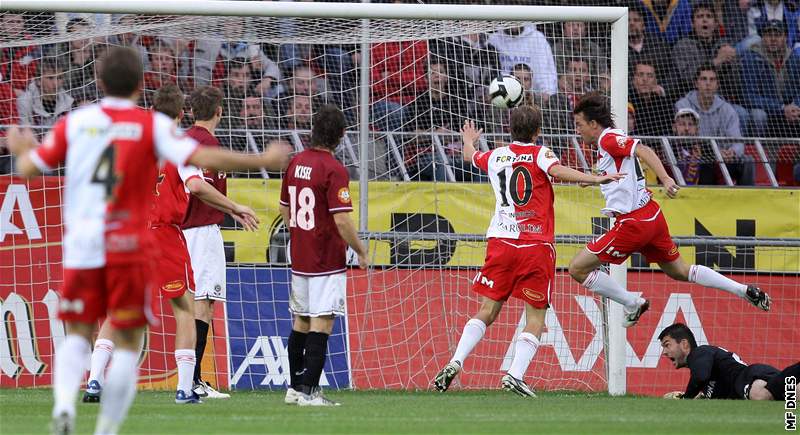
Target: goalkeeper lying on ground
[{"x": 719, "y": 374}]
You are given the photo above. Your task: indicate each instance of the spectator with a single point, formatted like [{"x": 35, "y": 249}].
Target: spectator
[
  {"x": 253, "y": 120},
  {"x": 45, "y": 99},
  {"x": 437, "y": 110},
  {"x": 78, "y": 63},
  {"x": 131, "y": 39},
  {"x": 764, "y": 11},
  {"x": 305, "y": 81},
  {"x": 574, "y": 44},
  {"x": 527, "y": 45},
  {"x": 17, "y": 64},
  {"x": 471, "y": 61},
  {"x": 669, "y": 19},
  {"x": 210, "y": 54},
  {"x": 557, "y": 111},
  {"x": 771, "y": 76},
  {"x": 718, "y": 118},
  {"x": 690, "y": 152},
  {"x": 398, "y": 77},
  {"x": 642, "y": 45},
  {"x": 162, "y": 71},
  {"x": 649, "y": 101},
  {"x": 298, "y": 114},
  {"x": 524, "y": 74},
  {"x": 704, "y": 45}
]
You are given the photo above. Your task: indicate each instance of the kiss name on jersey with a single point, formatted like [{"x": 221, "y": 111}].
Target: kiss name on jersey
[
  {"x": 520, "y": 228},
  {"x": 303, "y": 172},
  {"x": 515, "y": 159}
]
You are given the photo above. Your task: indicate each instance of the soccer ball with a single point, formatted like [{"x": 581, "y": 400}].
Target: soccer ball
[{"x": 506, "y": 92}]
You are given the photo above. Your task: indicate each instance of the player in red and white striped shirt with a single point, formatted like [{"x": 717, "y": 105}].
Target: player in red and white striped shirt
[
  {"x": 639, "y": 223},
  {"x": 520, "y": 257},
  {"x": 111, "y": 152}
]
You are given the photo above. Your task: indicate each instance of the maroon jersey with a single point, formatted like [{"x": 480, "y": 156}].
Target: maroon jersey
[
  {"x": 315, "y": 188},
  {"x": 198, "y": 213}
]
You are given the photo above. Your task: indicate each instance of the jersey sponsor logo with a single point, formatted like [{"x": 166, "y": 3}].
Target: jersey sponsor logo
[
  {"x": 270, "y": 352},
  {"x": 520, "y": 228},
  {"x": 549, "y": 154},
  {"x": 344, "y": 195},
  {"x": 673, "y": 251},
  {"x": 302, "y": 172},
  {"x": 173, "y": 286},
  {"x": 621, "y": 141},
  {"x": 122, "y": 242},
  {"x": 533, "y": 295},
  {"x": 525, "y": 158},
  {"x": 126, "y": 314},
  {"x": 126, "y": 131},
  {"x": 16, "y": 197}
]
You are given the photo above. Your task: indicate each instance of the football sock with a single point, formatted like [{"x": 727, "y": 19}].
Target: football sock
[
  {"x": 524, "y": 350},
  {"x": 602, "y": 284},
  {"x": 473, "y": 332},
  {"x": 70, "y": 365},
  {"x": 100, "y": 356},
  {"x": 184, "y": 359},
  {"x": 710, "y": 278},
  {"x": 119, "y": 391},
  {"x": 314, "y": 360},
  {"x": 200, "y": 347},
  {"x": 296, "y": 346}
]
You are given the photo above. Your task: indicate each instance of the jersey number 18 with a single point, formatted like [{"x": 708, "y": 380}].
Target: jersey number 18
[{"x": 301, "y": 208}]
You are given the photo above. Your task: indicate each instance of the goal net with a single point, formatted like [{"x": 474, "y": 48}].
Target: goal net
[{"x": 424, "y": 210}]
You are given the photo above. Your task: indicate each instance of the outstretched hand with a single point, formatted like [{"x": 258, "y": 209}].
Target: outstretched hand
[
  {"x": 469, "y": 134},
  {"x": 20, "y": 140},
  {"x": 608, "y": 178},
  {"x": 670, "y": 187},
  {"x": 674, "y": 395},
  {"x": 246, "y": 217}
]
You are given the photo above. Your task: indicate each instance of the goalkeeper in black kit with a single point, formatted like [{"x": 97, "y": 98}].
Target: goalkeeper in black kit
[{"x": 718, "y": 373}]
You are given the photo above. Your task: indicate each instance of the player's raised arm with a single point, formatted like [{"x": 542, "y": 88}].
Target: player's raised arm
[
  {"x": 650, "y": 157},
  {"x": 275, "y": 158},
  {"x": 469, "y": 135},
  {"x": 568, "y": 174},
  {"x": 21, "y": 143}
]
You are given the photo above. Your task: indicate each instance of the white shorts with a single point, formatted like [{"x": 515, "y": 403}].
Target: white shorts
[
  {"x": 207, "y": 254},
  {"x": 316, "y": 296}
]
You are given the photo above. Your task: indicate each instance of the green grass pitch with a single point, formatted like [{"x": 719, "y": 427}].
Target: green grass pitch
[{"x": 371, "y": 412}]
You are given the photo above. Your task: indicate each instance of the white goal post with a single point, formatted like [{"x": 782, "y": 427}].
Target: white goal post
[{"x": 616, "y": 16}]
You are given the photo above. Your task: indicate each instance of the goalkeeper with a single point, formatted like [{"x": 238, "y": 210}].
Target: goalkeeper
[{"x": 718, "y": 373}]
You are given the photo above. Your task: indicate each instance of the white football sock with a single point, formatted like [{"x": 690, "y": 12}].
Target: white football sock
[
  {"x": 473, "y": 332},
  {"x": 710, "y": 278},
  {"x": 602, "y": 284},
  {"x": 185, "y": 360},
  {"x": 100, "y": 356},
  {"x": 119, "y": 391},
  {"x": 70, "y": 365},
  {"x": 524, "y": 350}
]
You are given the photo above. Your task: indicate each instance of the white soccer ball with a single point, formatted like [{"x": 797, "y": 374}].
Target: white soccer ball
[{"x": 506, "y": 92}]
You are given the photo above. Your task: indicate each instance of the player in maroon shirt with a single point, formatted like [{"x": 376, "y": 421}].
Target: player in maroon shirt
[
  {"x": 315, "y": 204},
  {"x": 111, "y": 170}
]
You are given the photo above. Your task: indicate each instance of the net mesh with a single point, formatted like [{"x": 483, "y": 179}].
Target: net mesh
[{"x": 427, "y": 208}]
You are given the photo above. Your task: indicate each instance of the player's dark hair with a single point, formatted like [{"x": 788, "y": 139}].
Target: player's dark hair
[
  {"x": 327, "y": 127},
  {"x": 679, "y": 332},
  {"x": 525, "y": 123},
  {"x": 169, "y": 100},
  {"x": 594, "y": 107},
  {"x": 204, "y": 101},
  {"x": 121, "y": 72},
  {"x": 708, "y": 66}
]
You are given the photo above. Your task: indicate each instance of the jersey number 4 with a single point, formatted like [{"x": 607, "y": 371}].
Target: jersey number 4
[
  {"x": 301, "y": 208},
  {"x": 518, "y": 197},
  {"x": 105, "y": 171}
]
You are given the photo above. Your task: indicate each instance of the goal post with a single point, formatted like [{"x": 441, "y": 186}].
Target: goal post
[{"x": 432, "y": 21}]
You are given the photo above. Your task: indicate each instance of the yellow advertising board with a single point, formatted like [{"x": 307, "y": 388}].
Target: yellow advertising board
[{"x": 467, "y": 209}]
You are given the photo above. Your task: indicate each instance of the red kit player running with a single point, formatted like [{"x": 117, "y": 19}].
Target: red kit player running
[
  {"x": 111, "y": 151},
  {"x": 639, "y": 223},
  {"x": 520, "y": 257}
]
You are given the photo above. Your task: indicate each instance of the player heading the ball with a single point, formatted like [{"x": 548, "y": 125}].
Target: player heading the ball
[
  {"x": 520, "y": 257},
  {"x": 639, "y": 224},
  {"x": 111, "y": 151}
]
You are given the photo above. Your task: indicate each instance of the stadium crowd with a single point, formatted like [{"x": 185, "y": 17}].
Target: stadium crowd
[{"x": 702, "y": 68}]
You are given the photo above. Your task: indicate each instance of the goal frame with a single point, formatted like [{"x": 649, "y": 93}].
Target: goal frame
[{"x": 617, "y": 16}]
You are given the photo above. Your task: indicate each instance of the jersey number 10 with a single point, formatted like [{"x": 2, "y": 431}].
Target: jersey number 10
[
  {"x": 301, "y": 208},
  {"x": 517, "y": 197}
]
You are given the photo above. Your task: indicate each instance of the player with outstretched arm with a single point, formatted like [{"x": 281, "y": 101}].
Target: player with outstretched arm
[
  {"x": 639, "y": 224},
  {"x": 520, "y": 257},
  {"x": 110, "y": 150}
]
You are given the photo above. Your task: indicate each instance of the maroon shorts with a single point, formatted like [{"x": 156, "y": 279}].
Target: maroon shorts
[
  {"x": 173, "y": 274},
  {"x": 517, "y": 268},
  {"x": 644, "y": 230},
  {"x": 121, "y": 291}
]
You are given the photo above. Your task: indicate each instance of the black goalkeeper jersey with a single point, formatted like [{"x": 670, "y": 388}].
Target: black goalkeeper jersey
[{"x": 714, "y": 372}]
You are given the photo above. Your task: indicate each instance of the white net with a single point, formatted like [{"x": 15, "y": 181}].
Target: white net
[{"x": 427, "y": 210}]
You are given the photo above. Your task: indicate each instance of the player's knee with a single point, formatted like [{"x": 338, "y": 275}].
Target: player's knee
[{"x": 577, "y": 272}]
